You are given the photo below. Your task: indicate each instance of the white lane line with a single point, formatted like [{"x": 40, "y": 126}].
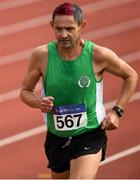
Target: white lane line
[
  {"x": 110, "y": 104},
  {"x": 15, "y": 3},
  {"x": 103, "y": 32},
  {"x": 102, "y": 5},
  {"x": 40, "y": 129},
  {"x": 121, "y": 154},
  {"x": 9, "y": 95},
  {"x": 23, "y": 135},
  {"x": 129, "y": 58},
  {"x": 114, "y": 29},
  {"x": 15, "y": 94},
  {"x": 44, "y": 20},
  {"x": 15, "y": 57}
]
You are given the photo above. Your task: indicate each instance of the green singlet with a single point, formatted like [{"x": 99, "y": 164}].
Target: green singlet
[{"x": 78, "y": 96}]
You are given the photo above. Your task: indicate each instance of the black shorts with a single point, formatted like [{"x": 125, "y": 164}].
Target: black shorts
[{"x": 60, "y": 151}]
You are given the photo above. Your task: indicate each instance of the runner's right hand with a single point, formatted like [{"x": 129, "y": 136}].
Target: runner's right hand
[{"x": 46, "y": 104}]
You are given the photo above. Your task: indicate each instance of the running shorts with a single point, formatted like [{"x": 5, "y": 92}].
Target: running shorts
[{"x": 60, "y": 151}]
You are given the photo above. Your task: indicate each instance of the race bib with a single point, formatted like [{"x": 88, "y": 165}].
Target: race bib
[{"x": 69, "y": 117}]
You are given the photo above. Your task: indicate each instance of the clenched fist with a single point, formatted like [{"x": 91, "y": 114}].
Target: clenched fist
[{"x": 46, "y": 104}]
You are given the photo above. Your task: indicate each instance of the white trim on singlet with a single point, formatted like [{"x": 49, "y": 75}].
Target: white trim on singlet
[
  {"x": 100, "y": 109},
  {"x": 44, "y": 115}
]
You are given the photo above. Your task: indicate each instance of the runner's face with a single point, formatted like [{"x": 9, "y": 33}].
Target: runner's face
[{"x": 67, "y": 31}]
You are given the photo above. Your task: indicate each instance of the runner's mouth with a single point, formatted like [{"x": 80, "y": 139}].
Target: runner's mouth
[{"x": 64, "y": 40}]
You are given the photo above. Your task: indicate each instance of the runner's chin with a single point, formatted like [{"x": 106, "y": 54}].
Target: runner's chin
[{"x": 65, "y": 44}]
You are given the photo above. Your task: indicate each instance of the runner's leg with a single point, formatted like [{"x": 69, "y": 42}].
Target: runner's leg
[
  {"x": 86, "y": 166},
  {"x": 63, "y": 175}
]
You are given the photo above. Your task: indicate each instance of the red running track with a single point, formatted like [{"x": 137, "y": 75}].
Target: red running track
[{"x": 26, "y": 158}]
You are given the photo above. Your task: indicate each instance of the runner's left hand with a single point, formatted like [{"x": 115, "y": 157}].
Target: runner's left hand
[{"x": 111, "y": 121}]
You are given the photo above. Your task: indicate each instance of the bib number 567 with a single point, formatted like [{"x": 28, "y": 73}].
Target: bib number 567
[{"x": 68, "y": 121}]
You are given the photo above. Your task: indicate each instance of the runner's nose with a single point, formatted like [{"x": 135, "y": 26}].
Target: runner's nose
[{"x": 63, "y": 34}]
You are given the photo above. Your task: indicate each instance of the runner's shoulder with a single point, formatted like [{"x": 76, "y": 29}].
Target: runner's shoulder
[
  {"x": 102, "y": 54},
  {"x": 40, "y": 51}
]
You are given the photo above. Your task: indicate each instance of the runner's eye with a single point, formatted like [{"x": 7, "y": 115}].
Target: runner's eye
[
  {"x": 59, "y": 29},
  {"x": 69, "y": 28}
]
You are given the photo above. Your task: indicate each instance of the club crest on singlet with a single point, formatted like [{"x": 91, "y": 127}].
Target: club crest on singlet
[{"x": 84, "y": 81}]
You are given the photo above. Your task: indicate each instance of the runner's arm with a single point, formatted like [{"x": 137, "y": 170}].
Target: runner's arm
[
  {"x": 118, "y": 67},
  {"x": 111, "y": 63},
  {"x": 32, "y": 76}
]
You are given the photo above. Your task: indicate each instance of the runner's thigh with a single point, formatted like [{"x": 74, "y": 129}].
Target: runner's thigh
[{"x": 86, "y": 166}]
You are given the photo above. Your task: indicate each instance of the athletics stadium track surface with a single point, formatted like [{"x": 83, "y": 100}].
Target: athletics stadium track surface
[{"x": 25, "y": 25}]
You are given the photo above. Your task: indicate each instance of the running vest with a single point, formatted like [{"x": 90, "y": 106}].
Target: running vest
[{"x": 78, "y": 96}]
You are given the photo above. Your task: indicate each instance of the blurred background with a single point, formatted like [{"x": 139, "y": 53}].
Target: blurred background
[{"x": 24, "y": 25}]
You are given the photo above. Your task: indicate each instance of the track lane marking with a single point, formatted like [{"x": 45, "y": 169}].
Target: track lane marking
[
  {"x": 16, "y": 3},
  {"x": 121, "y": 154},
  {"x": 15, "y": 94},
  {"x": 22, "y": 135},
  {"x": 100, "y": 33},
  {"x": 44, "y": 20},
  {"x": 114, "y": 29},
  {"x": 41, "y": 129},
  {"x": 135, "y": 97}
]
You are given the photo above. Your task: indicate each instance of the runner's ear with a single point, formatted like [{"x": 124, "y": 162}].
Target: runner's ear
[
  {"x": 52, "y": 24},
  {"x": 83, "y": 24}
]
